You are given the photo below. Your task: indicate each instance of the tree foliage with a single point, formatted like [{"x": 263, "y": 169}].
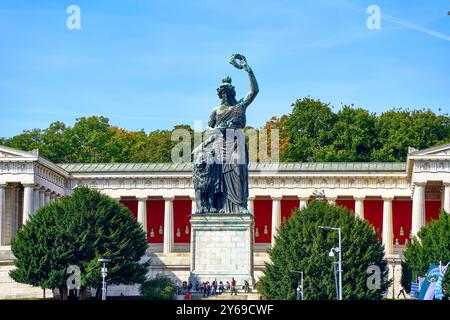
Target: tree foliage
[
  {"x": 94, "y": 140},
  {"x": 311, "y": 132},
  {"x": 160, "y": 288},
  {"x": 78, "y": 230},
  {"x": 302, "y": 245},
  {"x": 433, "y": 247}
]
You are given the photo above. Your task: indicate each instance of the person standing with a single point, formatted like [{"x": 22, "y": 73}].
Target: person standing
[
  {"x": 246, "y": 286},
  {"x": 233, "y": 287},
  {"x": 402, "y": 291}
]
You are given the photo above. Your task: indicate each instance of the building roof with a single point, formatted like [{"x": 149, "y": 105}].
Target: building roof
[{"x": 283, "y": 167}]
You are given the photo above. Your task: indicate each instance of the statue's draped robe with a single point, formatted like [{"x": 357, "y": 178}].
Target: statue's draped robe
[{"x": 233, "y": 185}]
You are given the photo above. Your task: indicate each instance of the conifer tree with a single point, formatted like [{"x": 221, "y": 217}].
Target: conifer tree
[
  {"x": 78, "y": 230},
  {"x": 302, "y": 245},
  {"x": 431, "y": 246}
]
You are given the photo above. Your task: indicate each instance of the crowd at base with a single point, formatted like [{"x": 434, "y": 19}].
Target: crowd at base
[{"x": 207, "y": 289}]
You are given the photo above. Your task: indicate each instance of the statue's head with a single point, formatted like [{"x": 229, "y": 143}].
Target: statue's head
[{"x": 226, "y": 90}]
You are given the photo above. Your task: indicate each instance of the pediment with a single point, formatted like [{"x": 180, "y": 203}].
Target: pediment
[
  {"x": 436, "y": 151},
  {"x": 7, "y": 152}
]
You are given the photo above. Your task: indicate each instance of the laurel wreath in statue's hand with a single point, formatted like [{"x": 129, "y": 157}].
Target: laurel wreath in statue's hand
[{"x": 239, "y": 62}]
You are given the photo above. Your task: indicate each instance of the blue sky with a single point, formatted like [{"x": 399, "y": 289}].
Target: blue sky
[{"x": 154, "y": 64}]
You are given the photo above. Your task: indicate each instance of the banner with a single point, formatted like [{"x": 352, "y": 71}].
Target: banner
[
  {"x": 438, "y": 287},
  {"x": 428, "y": 286},
  {"x": 414, "y": 293}
]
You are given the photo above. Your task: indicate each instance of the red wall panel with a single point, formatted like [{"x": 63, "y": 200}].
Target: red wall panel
[
  {"x": 132, "y": 205},
  {"x": 373, "y": 213},
  {"x": 432, "y": 209},
  {"x": 401, "y": 219},
  {"x": 349, "y": 204},
  {"x": 155, "y": 221},
  {"x": 181, "y": 220},
  {"x": 287, "y": 206},
  {"x": 263, "y": 220}
]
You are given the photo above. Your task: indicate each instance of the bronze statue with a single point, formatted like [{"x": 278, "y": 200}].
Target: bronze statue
[{"x": 221, "y": 161}]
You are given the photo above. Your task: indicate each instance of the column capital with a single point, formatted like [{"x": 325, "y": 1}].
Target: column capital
[
  {"x": 168, "y": 198},
  {"x": 276, "y": 198},
  {"x": 2, "y": 185},
  {"x": 251, "y": 198},
  {"x": 420, "y": 183},
  {"x": 305, "y": 198},
  {"x": 142, "y": 198},
  {"x": 359, "y": 198},
  {"x": 446, "y": 184},
  {"x": 28, "y": 185},
  {"x": 387, "y": 198}
]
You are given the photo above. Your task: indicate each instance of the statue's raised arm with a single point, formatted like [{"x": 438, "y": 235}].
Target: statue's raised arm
[{"x": 240, "y": 62}]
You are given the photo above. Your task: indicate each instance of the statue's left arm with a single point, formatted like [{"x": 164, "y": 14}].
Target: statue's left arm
[{"x": 254, "y": 89}]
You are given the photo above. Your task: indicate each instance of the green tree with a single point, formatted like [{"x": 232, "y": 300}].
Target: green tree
[
  {"x": 355, "y": 136},
  {"x": 309, "y": 128},
  {"x": 78, "y": 230},
  {"x": 302, "y": 245},
  {"x": 27, "y": 141},
  {"x": 399, "y": 129},
  {"x": 433, "y": 247},
  {"x": 160, "y": 288}
]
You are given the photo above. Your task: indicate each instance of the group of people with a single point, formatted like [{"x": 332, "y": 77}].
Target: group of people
[{"x": 210, "y": 288}]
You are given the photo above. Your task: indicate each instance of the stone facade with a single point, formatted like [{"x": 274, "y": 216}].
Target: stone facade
[{"x": 396, "y": 198}]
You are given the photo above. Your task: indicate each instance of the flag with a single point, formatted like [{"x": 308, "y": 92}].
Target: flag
[
  {"x": 414, "y": 293},
  {"x": 427, "y": 288},
  {"x": 438, "y": 287}
]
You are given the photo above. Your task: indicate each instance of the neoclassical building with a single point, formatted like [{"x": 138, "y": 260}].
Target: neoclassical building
[{"x": 397, "y": 199}]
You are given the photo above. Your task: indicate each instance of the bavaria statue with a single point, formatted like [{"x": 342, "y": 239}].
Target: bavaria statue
[{"x": 221, "y": 162}]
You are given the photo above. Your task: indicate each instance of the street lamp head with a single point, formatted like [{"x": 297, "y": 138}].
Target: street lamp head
[
  {"x": 331, "y": 254},
  {"x": 104, "y": 260}
]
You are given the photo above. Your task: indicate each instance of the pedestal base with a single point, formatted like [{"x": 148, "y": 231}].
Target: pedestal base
[{"x": 222, "y": 248}]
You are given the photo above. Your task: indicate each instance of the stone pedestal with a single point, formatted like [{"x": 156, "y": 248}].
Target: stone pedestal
[{"x": 222, "y": 248}]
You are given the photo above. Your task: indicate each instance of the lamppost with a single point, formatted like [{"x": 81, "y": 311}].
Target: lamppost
[
  {"x": 331, "y": 254},
  {"x": 300, "y": 288},
  {"x": 104, "y": 272},
  {"x": 393, "y": 278}
]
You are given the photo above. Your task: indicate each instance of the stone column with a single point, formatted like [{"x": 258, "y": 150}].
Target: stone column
[
  {"x": 41, "y": 197},
  {"x": 447, "y": 197},
  {"x": 168, "y": 224},
  {"x": 2, "y": 211},
  {"x": 47, "y": 197},
  {"x": 303, "y": 202},
  {"x": 36, "y": 199},
  {"x": 250, "y": 205},
  {"x": 418, "y": 208},
  {"x": 28, "y": 199},
  {"x": 331, "y": 200},
  {"x": 387, "y": 235},
  {"x": 142, "y": 214},
  {"x": 53, "y": 197},
  {"x": 194, "y": 205},
  {"x": 276, "y": 217},
  {"x": 359, "y": 207}
]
